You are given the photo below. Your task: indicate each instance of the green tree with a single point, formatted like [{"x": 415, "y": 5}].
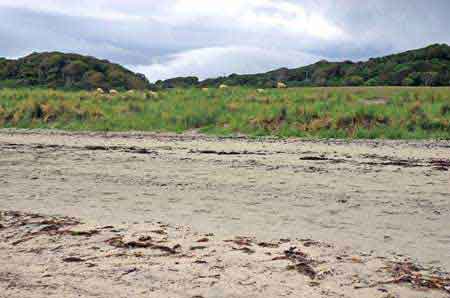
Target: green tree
[
  {"x": 408, "y": 82},
  {"x": 75, "y": 68},
  {"x": 429, "y": 78},
  {"x": 373, "y": 82},
  {"x": 93, "y": 79},
  {"x": 73, "y": 72},
  {"x": 355, "y": 81}
]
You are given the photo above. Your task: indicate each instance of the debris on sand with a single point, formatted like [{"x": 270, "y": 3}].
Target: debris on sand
[
  {"x": 441, "y": 164},
  {"x": 73, "y": 260},
  {"x": 396, "y": 162},
  {"x": 418, "y": 277},
  {"x": 129, "y": 271},
  {"x": 314, "y": 243},
  {"x": 214, "y": 152},
  {"x": 406, "y": 272},
  {"x": 261, "y": 267},
  {"x": 245, "y": 250},
  {"x": 302, "y": 262},
  {"x": 132, "y": 149},
  {"x": 315, "y": 158},
  {"x": 269, "y": 244},
  {"x": 198, "y": 247},
  {"x": 159, "y": 231},
  {"x": 241, "y": 241},
  {"x": 119, "y": 242},
  {"x": 36, "y": 225},
  {"x": 202, "y": 240},
  {"x": 84, "y": 233}
]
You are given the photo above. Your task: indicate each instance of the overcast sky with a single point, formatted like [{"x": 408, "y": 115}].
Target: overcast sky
[{"x": 207, "y": 38}]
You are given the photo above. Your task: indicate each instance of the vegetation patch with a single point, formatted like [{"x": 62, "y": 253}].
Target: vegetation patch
[{"x": 395, "y": 112}]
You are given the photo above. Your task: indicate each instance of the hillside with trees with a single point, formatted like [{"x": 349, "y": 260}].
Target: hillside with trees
[
  {"x": 428, "y": 66},
  {"x": 68, "y": 71}
]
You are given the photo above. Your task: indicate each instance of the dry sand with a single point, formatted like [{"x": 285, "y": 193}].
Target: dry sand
[{"x": 374, "y": 201}]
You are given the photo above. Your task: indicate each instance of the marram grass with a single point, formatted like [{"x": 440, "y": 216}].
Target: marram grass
[{"x": 378, "y": 112}]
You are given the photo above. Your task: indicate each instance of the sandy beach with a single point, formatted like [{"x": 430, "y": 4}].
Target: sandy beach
[{"x": 363, "y": 204}]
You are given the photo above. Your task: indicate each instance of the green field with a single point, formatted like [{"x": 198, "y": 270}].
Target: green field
[{"x": 359, "y": 112}]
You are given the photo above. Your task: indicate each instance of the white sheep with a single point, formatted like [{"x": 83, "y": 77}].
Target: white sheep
[
  {"x": 281, "y": 85},
  {"x": 113, "y": 92},
  {"x": 223, "y": 86},
  {"x": 153, "y": 94},
  {"x": 100, "y": 91}
]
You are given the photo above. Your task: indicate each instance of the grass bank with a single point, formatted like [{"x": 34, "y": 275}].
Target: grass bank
[{"x": 378, "y": 112}]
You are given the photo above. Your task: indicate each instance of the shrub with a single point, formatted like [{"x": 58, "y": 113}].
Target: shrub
[{"x": 445, "y": 109}]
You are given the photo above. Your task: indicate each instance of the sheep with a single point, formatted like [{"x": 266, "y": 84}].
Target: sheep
[
  {"x": 130, "y": 91},
  {"x": 260, "y": 90},
  {"x": 100, "y": 91},
  {"x": 223, "y": 86},
  {"x": 281, "y": 85},
  {"x": 113, "y": 92},
  {"x": 153, "y": 94},
  {"x": 205, "y": 89}
]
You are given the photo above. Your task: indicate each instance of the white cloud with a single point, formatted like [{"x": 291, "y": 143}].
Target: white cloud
[
  {"x": 218, "y": 61},
  {"x": 249, "y": 15}
]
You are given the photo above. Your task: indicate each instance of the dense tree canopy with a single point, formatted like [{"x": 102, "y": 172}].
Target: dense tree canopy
[
  {"x": 429, "y": 66},
  {"x": 72, "y": 71}
]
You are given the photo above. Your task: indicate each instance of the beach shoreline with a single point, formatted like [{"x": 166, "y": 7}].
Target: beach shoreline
[{"x": 383, "y": 199}]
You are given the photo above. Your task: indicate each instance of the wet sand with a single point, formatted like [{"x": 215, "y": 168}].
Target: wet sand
[{"x": 383, "y": 198}]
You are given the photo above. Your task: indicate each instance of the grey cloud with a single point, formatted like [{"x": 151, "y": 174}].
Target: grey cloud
[
  {"x": 30, "y": 31},
  {"x": 155, "y": 40},
  {"x": 392, "y": 25}
]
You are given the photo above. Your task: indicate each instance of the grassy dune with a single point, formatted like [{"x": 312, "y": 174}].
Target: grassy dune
[{"x": 392, "y": 113}]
